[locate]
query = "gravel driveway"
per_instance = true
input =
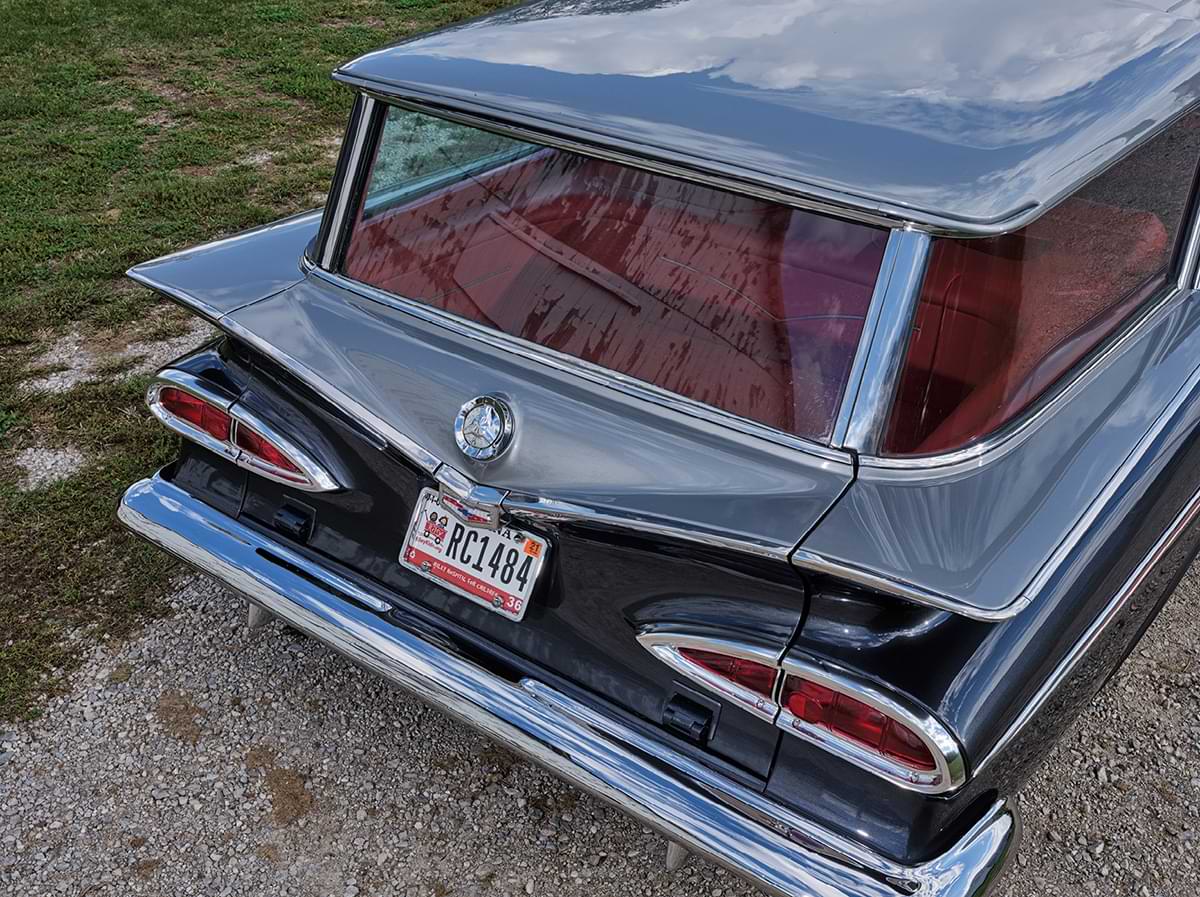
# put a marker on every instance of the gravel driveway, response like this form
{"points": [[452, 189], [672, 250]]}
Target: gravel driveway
{"points": [[203, 759]]}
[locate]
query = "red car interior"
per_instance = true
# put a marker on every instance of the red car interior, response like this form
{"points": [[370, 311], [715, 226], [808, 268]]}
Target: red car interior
{"points": [[1001, 319], [746, 305]]}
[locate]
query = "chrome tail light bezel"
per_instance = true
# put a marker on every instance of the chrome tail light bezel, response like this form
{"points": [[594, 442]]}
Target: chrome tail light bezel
{"points": [[950, 770], [313, 476], [949, 774], [666, 645]]}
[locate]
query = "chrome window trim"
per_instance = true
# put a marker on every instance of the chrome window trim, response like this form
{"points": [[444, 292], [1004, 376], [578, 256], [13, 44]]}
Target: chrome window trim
{"points": [[1009, 436], [1097, 628], [337, 213], [951, 771], [665, 644], [814, 562], [867, 407]]}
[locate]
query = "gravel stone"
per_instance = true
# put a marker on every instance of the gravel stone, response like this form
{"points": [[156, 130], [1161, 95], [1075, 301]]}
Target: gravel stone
{"points": [[204, 759], [45, 466]]}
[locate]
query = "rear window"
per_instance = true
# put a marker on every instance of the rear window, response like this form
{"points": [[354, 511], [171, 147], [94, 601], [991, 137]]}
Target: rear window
{"points": [[999, 320], [743, 304]]}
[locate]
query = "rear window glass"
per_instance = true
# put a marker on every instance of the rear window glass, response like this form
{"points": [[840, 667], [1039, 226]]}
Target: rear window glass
{"points": [[999, 320], [746, 305]]}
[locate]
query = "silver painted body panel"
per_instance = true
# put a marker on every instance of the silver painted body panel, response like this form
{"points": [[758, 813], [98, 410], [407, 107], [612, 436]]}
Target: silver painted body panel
{"points": [[1006, 109], [980, 533], [579, 447]]}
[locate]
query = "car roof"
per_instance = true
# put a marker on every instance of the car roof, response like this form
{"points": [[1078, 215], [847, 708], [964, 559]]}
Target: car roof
{"points": [[968, 116]]}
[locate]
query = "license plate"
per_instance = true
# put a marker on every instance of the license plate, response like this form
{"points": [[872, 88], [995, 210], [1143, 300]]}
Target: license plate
{"points": [[495, 568]]}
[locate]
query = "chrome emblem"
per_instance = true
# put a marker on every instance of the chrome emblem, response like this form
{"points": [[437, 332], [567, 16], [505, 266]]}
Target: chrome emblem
{"points": [[483, 428]]}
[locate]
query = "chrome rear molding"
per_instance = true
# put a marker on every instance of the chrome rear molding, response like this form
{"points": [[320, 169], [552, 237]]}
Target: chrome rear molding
{"points": [[775, 848]]}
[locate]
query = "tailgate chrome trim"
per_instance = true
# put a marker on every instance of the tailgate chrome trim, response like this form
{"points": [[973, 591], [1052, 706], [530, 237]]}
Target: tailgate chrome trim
{"points": [[777, 849]]}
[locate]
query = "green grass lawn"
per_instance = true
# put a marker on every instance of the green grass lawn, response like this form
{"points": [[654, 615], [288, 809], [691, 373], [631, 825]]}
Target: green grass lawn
{"points": [[129, 129]]}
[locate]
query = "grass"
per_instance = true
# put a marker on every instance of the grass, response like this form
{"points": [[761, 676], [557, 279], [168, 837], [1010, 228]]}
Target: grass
{"points": [[129, 129]]}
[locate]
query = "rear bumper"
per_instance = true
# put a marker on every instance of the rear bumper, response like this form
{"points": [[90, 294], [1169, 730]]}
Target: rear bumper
{"points": [[773, 847]]}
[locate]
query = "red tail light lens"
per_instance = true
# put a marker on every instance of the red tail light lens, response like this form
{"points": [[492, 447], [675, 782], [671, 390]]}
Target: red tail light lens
{"points": [[858, 721], [197, 412], [756, 677], [249, 441]]}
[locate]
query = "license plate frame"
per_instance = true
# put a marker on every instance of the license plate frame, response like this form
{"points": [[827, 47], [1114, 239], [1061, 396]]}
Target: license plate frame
{"points": [[430, 549]]}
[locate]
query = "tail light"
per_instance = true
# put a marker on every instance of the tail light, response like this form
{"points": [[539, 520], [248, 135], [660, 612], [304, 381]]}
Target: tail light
{"points": [[738, 672], [860, 722], [876, 729], [210, 417]]}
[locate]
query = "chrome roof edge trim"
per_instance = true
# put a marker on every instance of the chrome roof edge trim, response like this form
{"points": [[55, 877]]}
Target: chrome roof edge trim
{"points": [[826, 202], [886, 345], [559, 361], [1098, 627], [1011, 435], [951, 771], [817, 563], [742, 829], [350, 172], [665, 643]]}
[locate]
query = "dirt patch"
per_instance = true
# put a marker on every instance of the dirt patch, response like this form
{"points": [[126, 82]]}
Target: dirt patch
{"points": [[120, 674], [268, 852], [46, 466], [290, 798], [145, 869], [179, 716]]}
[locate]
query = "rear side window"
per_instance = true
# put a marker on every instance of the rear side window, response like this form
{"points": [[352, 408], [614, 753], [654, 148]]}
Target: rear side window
{"points": [[749, 306], [999, 320]]}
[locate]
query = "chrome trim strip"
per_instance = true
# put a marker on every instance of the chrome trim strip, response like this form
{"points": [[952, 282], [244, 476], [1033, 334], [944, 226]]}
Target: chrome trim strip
{"points": [[790, 856], [319, 480], [951, 769], [817, 563], [1097, 628], [1011, 435], [665, 644], [192, 385], [350, 172], [887, 265], [888, 342], [554, 510], [560, 361]]}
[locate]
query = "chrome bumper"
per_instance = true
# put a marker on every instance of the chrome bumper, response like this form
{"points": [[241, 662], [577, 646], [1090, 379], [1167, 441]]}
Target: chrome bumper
{"points": [[773, 847]]}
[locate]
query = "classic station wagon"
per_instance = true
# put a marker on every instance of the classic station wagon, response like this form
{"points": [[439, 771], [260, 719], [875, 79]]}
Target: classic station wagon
{"points": [[775, 418]]}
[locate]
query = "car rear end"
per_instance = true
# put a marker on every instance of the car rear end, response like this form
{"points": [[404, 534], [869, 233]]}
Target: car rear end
{"points": [[552, 440]]}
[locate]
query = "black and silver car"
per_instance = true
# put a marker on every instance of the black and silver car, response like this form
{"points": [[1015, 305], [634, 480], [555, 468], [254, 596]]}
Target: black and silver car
{"points": [[776, 418]]}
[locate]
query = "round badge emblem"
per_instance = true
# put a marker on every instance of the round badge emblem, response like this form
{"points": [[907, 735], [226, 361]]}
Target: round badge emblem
{"points": [[483, 428]]}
